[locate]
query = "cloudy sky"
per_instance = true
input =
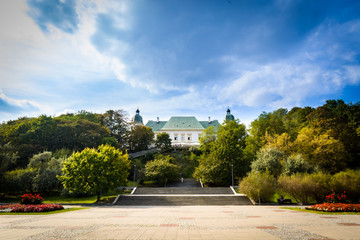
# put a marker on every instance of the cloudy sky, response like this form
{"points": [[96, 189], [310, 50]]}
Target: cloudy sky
{"points": [[176, 57]]}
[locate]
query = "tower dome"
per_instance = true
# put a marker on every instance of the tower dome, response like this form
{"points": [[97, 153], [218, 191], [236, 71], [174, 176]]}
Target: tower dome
{"points": [[137, 118], [229, 116]]}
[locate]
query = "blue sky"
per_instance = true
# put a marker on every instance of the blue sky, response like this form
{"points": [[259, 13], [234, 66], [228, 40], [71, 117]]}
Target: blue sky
{"points": [[176, 58]]}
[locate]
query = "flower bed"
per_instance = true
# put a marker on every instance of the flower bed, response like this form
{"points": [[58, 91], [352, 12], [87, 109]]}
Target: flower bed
{"points": [[31, 199], [31, 208], [335, 207]]}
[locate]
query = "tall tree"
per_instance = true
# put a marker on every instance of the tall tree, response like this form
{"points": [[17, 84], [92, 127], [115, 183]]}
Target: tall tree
{"points": [[163, 141], [140, 138], [225, 157], [116, 121]]}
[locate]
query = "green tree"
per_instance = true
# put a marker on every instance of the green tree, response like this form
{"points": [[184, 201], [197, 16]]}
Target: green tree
{"points": [[268, 159], [162, 170], [95, 171], [140, 138], [46, 168], [163, 141], [116, 122], [322, 150], [7, 158], [225, 156], [207, 139]]}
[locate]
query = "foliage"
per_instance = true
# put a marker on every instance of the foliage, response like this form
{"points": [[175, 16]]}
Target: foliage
{"points": [[320, 149], [207, 139], [335, 207], [225, 155], [162, 170], [268, 159], [299, 186], [163, 141], [259, 185], [32, 208], [116, 121], [296, 164], [140, 138], [7, 158], [46, 169], [95, 170], [29, 136], [31, 199], [348, 181], [19, 180]]}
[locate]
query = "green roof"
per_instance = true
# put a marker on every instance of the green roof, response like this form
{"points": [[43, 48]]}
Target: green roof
{"points": [[178, 123], [156, 125], [214, 123]]}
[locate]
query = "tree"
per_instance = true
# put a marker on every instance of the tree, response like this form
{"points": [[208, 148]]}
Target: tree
{"points": [[140, 138], [46, 168], [116, 122], [225, 156], [207, 139], [7, 158], [163, 141], [322, 150], [95, 171], [162, 170], [268, 159]]}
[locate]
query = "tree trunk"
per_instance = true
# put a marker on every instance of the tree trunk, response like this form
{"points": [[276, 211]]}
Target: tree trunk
{"points": [[98, 196]]}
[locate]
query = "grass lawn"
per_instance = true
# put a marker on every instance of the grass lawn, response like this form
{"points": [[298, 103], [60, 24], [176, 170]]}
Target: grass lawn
{"points": [[320, 212], [42, 213]]}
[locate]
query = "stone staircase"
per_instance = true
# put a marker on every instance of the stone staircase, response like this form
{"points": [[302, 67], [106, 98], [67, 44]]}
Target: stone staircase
{"points": [[182, 196], [183, 190], [181, 200]]}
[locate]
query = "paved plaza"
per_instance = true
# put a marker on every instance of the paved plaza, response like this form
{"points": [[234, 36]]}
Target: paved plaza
{"points": [[181, 222]]}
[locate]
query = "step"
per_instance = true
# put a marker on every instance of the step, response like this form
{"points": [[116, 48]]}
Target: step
{"points": [[185, 190], [181, 200]]}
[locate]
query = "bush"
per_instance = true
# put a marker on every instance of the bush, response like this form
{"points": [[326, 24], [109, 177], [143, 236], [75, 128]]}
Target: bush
{"points": [[299, 186], [256, 185], [20, 180], [162, 170], [348, 181]]}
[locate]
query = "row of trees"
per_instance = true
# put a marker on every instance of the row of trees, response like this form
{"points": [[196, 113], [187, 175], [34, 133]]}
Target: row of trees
{"points": [[21, 139], [302, 140]]}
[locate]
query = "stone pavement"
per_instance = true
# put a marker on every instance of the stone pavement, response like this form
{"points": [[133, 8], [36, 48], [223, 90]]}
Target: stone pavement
{"points": [[181, 222]]}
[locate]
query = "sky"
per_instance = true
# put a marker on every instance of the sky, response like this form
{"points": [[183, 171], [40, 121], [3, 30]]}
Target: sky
{"points": [[176, 57]]}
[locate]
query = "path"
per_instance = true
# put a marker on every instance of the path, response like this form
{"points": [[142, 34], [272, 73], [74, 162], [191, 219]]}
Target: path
{"points": [[200, 222]]}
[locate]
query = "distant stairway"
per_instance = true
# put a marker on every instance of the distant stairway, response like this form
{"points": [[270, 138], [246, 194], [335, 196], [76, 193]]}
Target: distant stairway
{"points": [[178, 196]]}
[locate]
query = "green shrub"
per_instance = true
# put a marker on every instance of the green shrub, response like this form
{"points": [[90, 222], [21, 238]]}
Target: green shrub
{"points": [[299, 186], [322, 186], [162, 170], [268, 159], [348, 181], [296, 164], [256, 185], [20, 180]]}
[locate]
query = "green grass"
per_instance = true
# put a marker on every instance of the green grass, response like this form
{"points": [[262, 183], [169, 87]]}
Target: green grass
{"points": [[42, 213], [320, 212]]}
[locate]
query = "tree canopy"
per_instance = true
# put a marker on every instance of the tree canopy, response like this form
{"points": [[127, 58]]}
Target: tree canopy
{"points": [[95, 170]]}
